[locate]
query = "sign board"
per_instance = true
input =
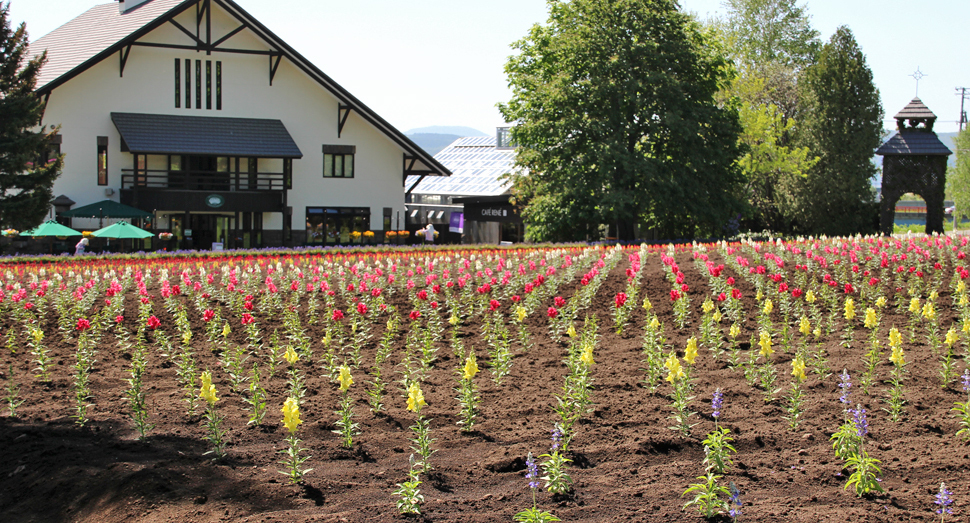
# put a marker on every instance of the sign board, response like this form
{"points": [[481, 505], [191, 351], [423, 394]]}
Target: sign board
{"points": [[456, 222], [217, 246]]}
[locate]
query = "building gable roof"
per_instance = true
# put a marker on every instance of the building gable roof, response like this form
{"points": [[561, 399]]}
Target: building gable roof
{"points": [[104, 30], [915, 109]]}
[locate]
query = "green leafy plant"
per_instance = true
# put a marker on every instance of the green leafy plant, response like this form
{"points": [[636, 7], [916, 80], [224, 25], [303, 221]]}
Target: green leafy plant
{"points": [[707, 496]]}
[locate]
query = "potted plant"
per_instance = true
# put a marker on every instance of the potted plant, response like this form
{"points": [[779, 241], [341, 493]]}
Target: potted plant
{"points": [[390, 237], [368, 237], [10, 233], [355, 236]]}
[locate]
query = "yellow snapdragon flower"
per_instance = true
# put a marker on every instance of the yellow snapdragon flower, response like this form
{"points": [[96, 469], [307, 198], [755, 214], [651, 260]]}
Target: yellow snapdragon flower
{"points": [[691, 353], [708, 306], [291, 414], [768, 307], [849, 309], [290, 355], [810, 297], [759, 296], [871, 320], [914, 305], [471, 367], [735, 330], [521, 313], [952, 337], [929, 312], [38, 335], [765, 344], [587, 356], [676, 372], [346, 380], [961, 286], [571, 331], [654, 324], [453, 320], [415, 398], [717, 316], [897, 357], [208, 390], [798, 369], [895, 338], [646, 304], [881, 302], [804, 326], [226, 330]]}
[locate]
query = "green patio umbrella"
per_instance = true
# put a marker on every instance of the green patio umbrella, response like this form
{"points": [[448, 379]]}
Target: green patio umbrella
{"points": [[51, 228], [122, 230]]}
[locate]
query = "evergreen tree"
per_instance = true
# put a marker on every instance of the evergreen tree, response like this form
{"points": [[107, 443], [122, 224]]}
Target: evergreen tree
{"points": [[842, 125], [27, 173], [616, 123]]}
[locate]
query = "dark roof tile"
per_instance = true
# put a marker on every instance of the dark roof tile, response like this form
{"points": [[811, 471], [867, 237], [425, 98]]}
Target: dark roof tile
{"points": [[914, 143], [170, 134]]}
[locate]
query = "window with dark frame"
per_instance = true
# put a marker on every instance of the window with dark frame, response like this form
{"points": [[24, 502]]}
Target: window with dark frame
{"points": [[198, 84], [218, 86], [208, 84], [178, 83], [54, 147], [188, 83], [338, 161], [102, 160], [334, 225]]}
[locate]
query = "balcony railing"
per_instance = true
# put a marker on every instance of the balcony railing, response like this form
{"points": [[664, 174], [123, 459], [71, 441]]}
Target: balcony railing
{"points": [[201, 180]]}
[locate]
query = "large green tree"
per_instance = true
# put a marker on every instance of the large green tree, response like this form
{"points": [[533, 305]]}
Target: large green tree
{"points": [[958, 178], [616, 122], [27, 172], [842, 125], [771, 42]]}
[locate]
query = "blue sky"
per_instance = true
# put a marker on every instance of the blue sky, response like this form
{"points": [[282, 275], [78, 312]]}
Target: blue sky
{"points": [[440, 62]]}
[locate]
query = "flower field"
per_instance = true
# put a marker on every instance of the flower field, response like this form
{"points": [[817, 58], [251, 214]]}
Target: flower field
{"points": [[818, 380]]}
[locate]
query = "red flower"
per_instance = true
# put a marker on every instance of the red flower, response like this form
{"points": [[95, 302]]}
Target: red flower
{"points": [[153, 322], [721, 297], [620, 299], [736, 294], [414, 315], [208, 315], [493, 304], [83, 325], [119, 318], [28, 306], [684, 288], [361, 308], [248, 305], [559, 302], [730, 280], [247, 318], [782, 287], [848, 288], [552, 312], [674, 295], [434, 305], [516, 298], [797, 293], [337, 315]]}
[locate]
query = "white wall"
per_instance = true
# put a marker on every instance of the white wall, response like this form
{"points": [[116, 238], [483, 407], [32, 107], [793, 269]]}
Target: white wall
{"points": [[82, 108]]}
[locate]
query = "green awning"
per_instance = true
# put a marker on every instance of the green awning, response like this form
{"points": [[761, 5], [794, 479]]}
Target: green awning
{"points": [[50, 228], [106, 209], [122, 230]]}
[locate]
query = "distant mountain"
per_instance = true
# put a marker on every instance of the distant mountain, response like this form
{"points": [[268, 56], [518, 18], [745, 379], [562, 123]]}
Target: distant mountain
{"points": [[446, 129], [433, 143]]}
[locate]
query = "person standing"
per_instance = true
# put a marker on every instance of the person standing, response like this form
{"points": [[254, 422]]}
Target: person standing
{"points": [[79, 248], [428, 233]]}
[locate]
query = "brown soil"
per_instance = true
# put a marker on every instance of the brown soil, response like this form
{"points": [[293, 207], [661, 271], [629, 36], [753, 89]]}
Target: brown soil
{"points": [[627, 465]]}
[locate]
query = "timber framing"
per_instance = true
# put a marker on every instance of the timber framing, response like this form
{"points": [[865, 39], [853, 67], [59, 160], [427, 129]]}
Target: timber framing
{"points": [[277, 50]]}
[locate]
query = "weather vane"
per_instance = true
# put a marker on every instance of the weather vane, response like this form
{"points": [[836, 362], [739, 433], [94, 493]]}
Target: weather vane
{"points": [[918, 75]]}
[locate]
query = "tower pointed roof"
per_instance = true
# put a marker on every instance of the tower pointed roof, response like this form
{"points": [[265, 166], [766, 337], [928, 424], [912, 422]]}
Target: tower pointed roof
{"points": [[915, 109]]}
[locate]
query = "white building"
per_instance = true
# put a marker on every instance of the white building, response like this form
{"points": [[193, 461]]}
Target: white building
{"points": [[194, 111]]}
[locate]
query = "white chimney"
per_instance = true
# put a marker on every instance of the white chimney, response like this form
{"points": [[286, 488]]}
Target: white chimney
{"points": [[128, 5]]}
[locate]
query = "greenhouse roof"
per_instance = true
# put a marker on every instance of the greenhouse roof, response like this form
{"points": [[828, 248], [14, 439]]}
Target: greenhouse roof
{"points": [[476, 165]]}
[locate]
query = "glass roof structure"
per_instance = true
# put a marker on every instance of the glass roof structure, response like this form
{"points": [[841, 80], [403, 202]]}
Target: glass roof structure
{"points": [[476, 165]]}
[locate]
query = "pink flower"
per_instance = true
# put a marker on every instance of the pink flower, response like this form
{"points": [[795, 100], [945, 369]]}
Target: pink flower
{"points": [[208, 315], [248, 305], [797, 293], [414, 315], [493, 305], [730, 280], [552, 312], [83, 325], [247, 318], [153, 322], [119, 318], [620, 299], [434, 305], [337, 315], [721, 297], [558, 301], [422, 295], [361, 308], [516, 298], [674, 295]]}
